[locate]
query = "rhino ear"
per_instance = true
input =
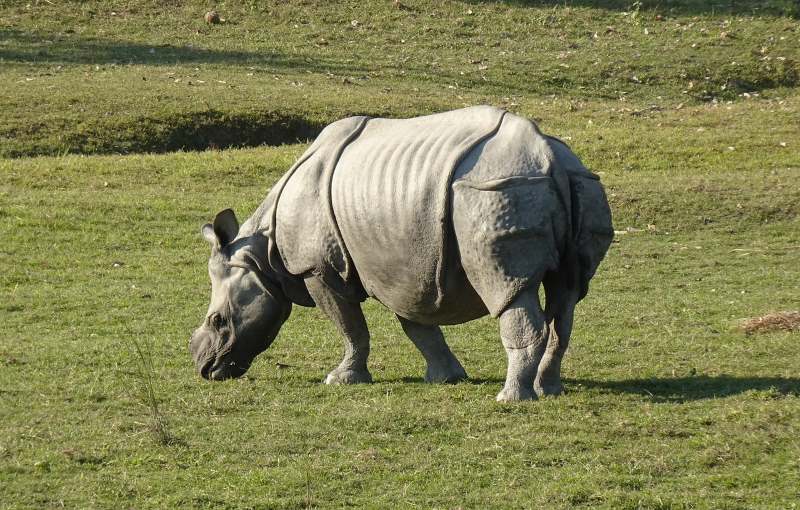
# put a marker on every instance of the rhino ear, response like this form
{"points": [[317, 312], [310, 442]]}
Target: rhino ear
{"points": [[224, 229], [207, 231]]}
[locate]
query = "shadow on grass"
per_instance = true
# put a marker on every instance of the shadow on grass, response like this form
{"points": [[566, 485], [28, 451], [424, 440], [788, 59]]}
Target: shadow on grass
{"points": [[31, 47], [674, 7], [679, 389], [199, 130], [68, 48], [184, 131], [685, 389]]}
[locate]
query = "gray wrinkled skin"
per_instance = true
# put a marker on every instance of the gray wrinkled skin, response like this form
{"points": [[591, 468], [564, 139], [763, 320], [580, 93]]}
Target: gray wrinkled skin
{"points": [[443, 219]]}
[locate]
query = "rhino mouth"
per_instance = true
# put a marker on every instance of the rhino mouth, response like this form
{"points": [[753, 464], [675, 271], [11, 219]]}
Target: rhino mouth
{"points": [[205, 370], [221, 368]]}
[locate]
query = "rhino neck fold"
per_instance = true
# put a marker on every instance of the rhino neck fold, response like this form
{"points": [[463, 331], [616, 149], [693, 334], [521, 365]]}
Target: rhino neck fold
{"points": [[263, 248]]}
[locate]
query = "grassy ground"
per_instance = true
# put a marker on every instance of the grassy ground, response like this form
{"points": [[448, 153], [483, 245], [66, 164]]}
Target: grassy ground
{"points": [[138, 76], [669, 404]]}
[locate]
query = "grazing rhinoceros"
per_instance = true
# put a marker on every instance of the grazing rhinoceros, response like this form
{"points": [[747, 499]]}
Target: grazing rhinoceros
{"points": [[442, 218]]}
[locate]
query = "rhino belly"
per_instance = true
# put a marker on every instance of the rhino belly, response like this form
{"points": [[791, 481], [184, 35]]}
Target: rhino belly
{"points": [[390, 194]]}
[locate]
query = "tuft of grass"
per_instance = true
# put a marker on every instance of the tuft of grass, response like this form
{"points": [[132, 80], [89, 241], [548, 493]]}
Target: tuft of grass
{"points": [[146, 394], [308, 500]]}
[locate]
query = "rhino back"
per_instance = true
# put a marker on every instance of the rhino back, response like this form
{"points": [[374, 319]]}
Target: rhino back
{"points": [[390, 194]]}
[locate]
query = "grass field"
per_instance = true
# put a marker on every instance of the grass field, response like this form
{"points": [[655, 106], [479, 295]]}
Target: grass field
{"points": [[669, 403], [91, 77]]}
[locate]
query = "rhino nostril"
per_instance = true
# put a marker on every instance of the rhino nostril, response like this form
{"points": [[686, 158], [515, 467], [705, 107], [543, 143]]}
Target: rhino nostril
{"points": [[205, 370]]}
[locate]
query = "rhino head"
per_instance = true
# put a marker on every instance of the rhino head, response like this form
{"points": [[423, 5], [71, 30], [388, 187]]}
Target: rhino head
{"points": [[247, 306]]}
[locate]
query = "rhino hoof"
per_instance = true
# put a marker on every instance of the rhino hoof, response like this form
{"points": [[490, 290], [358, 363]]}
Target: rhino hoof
{"points": [[552, 389], [348, 377], [515, 394], [446, 376]]}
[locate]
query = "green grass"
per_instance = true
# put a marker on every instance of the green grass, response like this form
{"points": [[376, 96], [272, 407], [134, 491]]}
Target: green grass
{"points": [[92, 77], [669, 404]]}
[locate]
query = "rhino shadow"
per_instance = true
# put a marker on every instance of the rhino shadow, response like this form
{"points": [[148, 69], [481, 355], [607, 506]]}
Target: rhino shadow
{"points": [[658, 389], [687, 389]]}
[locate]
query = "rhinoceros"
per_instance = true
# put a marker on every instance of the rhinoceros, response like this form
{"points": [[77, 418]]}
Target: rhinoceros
{"points": [[442, 218]]}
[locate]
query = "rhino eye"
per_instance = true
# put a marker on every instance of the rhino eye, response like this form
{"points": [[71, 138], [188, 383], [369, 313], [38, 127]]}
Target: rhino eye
{"points": [[216, 320]]}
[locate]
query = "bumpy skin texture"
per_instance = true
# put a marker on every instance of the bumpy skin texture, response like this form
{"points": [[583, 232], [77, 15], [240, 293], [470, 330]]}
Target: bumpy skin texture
{"points": [[443, 219]]}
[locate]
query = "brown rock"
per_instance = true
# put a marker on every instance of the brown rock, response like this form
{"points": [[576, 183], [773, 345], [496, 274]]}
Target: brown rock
{"points": [[212, 17]]}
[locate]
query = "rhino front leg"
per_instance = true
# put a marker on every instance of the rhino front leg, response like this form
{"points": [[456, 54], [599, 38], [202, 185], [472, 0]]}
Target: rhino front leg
{"points": [[524, 333], [443, 366], [349, 319]]}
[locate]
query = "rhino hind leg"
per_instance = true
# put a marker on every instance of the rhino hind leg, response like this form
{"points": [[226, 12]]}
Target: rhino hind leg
{"points": [[349, 320], [443, 366], [559, 311], [524, 333]]}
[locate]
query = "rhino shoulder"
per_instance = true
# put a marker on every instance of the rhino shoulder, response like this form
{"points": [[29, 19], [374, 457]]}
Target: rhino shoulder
{"points": [[305, 228], [337, 131]]}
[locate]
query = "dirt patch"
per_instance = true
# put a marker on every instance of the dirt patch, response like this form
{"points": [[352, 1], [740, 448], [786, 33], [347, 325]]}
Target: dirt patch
{"points": [[780, 321]]}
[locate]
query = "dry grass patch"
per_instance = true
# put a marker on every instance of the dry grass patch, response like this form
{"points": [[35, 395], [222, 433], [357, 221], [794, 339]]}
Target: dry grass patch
{"points": [[780, 321]]}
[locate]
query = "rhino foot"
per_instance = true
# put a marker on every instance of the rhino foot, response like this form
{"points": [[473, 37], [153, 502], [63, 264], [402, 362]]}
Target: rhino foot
{"points": [[348, 377], [548, 388], [450, 374], [515, 394]]}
